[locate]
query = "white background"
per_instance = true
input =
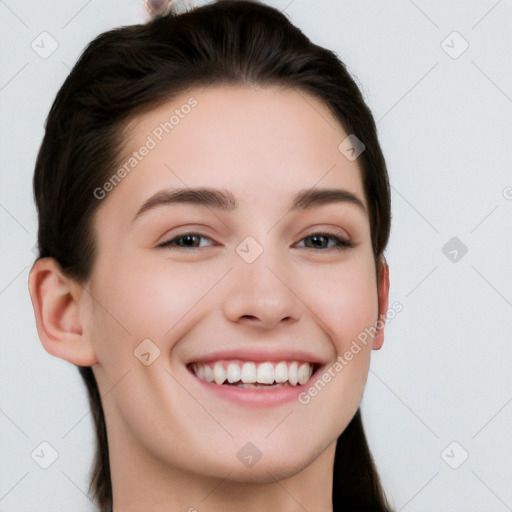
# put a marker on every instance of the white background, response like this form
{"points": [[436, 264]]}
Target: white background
{"points": [[445, 372]]}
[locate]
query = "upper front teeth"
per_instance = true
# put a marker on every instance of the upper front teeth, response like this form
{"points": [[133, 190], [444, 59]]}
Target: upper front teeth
{"points": [[233, 373], [247, 375], [250, 373], [265, 374]]}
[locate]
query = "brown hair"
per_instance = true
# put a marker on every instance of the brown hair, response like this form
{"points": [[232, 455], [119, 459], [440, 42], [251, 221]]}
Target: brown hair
{"points": [[130, 70]]}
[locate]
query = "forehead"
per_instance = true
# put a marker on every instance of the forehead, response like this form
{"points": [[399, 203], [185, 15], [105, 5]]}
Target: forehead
{"points": [[262, 144]]}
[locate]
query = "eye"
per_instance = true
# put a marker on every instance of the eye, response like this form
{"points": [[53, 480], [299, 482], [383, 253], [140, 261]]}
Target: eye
{"points": [[320, 239], [185, 241]]}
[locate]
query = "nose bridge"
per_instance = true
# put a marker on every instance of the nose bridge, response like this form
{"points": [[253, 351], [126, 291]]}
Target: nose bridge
{"points": [[261, 285], [259, 264]]}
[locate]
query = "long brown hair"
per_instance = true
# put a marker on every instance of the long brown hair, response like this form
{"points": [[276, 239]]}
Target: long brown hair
{"points": [[130, 70]]}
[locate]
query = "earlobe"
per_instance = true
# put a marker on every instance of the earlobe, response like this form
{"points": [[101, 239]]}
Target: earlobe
{"points": [[383, 299], [56, 302]]}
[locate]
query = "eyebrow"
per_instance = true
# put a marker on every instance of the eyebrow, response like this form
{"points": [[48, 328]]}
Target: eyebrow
{"points": [[224, 200]]}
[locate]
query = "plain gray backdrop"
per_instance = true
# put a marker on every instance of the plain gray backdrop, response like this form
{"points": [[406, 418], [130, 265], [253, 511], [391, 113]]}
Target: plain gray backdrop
{"points": [[437, 407]]}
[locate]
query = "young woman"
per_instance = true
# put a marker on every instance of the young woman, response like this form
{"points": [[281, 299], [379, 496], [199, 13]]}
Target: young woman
{"points": [[213, 209]]}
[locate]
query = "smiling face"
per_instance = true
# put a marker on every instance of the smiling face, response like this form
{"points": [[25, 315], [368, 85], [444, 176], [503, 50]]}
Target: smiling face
{"points": [[266, 273]]}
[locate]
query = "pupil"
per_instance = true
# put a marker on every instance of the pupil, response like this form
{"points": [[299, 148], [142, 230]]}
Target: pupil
{"points": [[317, 238], [189, 238]]}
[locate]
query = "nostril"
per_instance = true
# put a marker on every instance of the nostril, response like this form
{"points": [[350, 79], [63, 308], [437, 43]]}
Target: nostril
{"points": [[253, 318]]}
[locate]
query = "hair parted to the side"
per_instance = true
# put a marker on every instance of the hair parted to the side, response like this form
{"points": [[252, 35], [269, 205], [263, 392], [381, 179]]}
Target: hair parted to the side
{"points": [[128, 71]]}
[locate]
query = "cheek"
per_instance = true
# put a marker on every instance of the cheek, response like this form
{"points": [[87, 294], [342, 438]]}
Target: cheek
{"points": [[344, 300], [347, 305], [150, 298], [140, 299]]}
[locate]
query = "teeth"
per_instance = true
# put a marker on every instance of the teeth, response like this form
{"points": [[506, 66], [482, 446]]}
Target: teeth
{"points": [[219, 374], [234, 373], [248, 375], [293, 378], [281, 373], [251, 375], [265, 374], [199, 370], [303, 373], [208, 373]]}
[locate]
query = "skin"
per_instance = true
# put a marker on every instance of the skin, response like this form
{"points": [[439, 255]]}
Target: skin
{"points": [[171, 443]]}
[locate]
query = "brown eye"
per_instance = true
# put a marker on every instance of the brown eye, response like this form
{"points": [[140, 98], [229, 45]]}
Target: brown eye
{"points": [[185, 241], [321, 241]]}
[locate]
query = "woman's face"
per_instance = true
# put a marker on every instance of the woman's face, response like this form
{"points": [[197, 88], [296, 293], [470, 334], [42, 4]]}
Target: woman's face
{"points": [[236, 281]]}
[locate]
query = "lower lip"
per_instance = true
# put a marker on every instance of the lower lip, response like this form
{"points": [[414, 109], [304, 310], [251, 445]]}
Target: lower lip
{"points": [[264, 397]]}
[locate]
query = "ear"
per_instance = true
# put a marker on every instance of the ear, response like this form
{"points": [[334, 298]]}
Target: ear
{"points": [[383, 299], [56, 302]]}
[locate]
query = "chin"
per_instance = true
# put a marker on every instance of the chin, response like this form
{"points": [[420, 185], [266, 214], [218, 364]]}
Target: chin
{"points": [[271, 470], [270, 462]]}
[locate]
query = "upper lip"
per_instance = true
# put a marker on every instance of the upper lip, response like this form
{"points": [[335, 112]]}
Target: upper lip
{"points": [[259, 355]]}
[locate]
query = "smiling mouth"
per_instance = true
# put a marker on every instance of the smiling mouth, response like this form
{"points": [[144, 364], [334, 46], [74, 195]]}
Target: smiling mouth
{"points": [[254, 375]]}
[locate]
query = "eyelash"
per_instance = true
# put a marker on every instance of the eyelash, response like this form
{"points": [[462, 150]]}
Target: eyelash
{"points": [[340, 243]]}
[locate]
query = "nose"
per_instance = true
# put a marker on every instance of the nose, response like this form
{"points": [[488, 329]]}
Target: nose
{"points": [[261, 294]]}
